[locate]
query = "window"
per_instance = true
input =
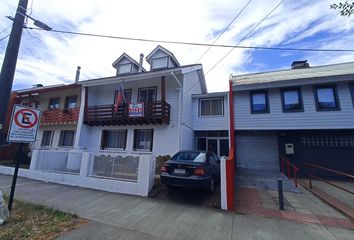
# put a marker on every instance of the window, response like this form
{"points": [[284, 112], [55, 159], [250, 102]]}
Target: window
{"points": [[326, 98], [161, 62], [344, 141], [143, 140], [47, 138], [259, 102], [54, 103], [147, 94], [114, 139], [124, 68], [211, 107], [292, 101], [70, 102], [185, 156], [127, 95], [66, 138]]}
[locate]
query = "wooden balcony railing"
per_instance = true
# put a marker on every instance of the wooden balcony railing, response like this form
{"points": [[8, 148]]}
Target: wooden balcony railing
{"points": [[60, 116], [105, 115]]}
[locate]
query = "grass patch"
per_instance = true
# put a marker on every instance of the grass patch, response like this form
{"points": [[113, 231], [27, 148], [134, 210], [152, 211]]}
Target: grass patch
{"points": [[33, 221]]}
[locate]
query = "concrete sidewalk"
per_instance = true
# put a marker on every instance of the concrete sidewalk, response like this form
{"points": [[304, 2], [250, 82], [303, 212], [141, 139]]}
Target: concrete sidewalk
{"points": [[117, 216]]}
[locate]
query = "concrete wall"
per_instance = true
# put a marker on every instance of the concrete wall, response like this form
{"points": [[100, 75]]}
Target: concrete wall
{"points": [[309, 119], [146, 173]]}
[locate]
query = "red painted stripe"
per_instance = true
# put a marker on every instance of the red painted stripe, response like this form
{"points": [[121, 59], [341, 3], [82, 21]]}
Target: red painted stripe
{"points": [[230, 163]]}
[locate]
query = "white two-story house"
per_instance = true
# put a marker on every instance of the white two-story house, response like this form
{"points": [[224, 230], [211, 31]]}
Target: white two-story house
{"points": [[156, 116]]}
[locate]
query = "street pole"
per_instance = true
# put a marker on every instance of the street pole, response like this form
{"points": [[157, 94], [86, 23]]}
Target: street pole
{"points": [[9, 65], [14, 179]]}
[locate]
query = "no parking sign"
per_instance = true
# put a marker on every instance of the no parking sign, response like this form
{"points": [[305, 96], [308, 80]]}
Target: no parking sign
{"points": [[24, 124]]}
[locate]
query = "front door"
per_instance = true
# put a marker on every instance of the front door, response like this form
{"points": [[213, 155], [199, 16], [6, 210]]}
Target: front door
{"points": [[212, 145]]}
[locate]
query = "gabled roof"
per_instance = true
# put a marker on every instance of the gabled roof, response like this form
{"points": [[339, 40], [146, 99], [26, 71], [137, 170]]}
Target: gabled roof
{"points": [[130, 59], [159, 47], [50, 88], [291, 75], [146, 75]]}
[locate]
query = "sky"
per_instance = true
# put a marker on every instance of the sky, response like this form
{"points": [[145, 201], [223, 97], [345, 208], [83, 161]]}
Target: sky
{"points": [[52, 58]]}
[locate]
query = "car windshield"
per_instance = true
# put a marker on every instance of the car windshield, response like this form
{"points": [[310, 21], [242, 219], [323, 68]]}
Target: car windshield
{"points": [[189, 156]]}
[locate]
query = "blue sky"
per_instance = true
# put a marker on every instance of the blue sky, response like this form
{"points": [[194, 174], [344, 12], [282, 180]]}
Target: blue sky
{"points": [[52, 58]]}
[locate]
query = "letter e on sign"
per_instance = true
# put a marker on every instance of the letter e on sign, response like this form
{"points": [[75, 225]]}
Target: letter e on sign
{"points": [[24, 124]]}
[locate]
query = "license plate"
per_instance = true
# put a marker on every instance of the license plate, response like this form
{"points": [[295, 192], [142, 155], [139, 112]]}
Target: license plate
{"points": [[180, 171]]}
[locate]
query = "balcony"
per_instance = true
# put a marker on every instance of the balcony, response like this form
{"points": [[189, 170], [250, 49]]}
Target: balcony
{"points": [[106, 115], [60, 116]]}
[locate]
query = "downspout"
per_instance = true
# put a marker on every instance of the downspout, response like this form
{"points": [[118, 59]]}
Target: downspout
{"points": [[231, 113], [179, 119], [80, 120]]}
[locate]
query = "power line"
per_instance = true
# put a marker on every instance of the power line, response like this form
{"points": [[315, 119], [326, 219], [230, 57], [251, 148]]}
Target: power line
{"points": [[194, 43], [4, 37], [5, 29], [247, 35], [233, 20]]}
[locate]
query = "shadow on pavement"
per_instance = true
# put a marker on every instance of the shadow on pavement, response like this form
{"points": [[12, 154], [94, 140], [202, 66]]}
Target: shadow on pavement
{"points": [[192, 197]]}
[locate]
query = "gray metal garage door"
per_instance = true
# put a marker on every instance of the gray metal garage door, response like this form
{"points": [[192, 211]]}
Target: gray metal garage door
{"points": [[257, 150]]}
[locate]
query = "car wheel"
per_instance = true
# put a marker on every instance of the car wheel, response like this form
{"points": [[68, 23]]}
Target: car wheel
{"points": [[211, 186]]}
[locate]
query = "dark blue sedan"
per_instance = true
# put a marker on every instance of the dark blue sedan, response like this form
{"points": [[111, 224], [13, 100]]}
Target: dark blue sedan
{"points": [[191, 169]]}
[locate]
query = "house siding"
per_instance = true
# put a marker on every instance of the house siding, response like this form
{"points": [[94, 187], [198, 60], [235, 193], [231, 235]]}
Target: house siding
{"points": [[191, 86], [164, 140], [308, 119], [207, 123]]}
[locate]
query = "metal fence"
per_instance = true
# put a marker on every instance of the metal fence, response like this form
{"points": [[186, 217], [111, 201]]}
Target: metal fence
{"points": [[116, 167], [58, 161]]}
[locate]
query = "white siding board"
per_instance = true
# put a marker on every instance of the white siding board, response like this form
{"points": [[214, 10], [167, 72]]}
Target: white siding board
{"points": [[309, 119]]}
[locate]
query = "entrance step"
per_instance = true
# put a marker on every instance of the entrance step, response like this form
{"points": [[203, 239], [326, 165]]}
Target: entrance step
{"points": [[263, 179]]}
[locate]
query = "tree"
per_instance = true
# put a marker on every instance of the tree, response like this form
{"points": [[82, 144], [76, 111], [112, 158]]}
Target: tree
{"points": [[346, 9]]}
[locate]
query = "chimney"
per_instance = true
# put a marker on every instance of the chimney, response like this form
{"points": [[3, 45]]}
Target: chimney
{"points": [[141, 62], [300, 64], [77, 74], [37, 85]]}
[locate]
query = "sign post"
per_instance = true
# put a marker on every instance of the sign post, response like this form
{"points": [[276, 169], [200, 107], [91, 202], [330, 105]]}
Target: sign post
{"points": [[23, 129]]}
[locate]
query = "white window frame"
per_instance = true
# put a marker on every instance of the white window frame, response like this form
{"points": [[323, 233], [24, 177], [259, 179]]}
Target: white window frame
{"points": [[50, 140], [124, 64], [135, 147], [147, 88], [122, 131], [62, 140], [211, 99], [159, 58]]}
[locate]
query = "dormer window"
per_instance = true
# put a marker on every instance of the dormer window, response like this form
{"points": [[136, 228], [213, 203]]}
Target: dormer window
{"points": [[161, 58], [157, 63], [124, 68], [127, 65]]}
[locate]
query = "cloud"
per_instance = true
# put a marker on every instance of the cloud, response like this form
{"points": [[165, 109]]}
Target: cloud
{"points": [[51, 58]]}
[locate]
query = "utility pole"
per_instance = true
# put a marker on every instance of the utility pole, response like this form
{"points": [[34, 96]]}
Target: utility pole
{"points": [[9, 64]]}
